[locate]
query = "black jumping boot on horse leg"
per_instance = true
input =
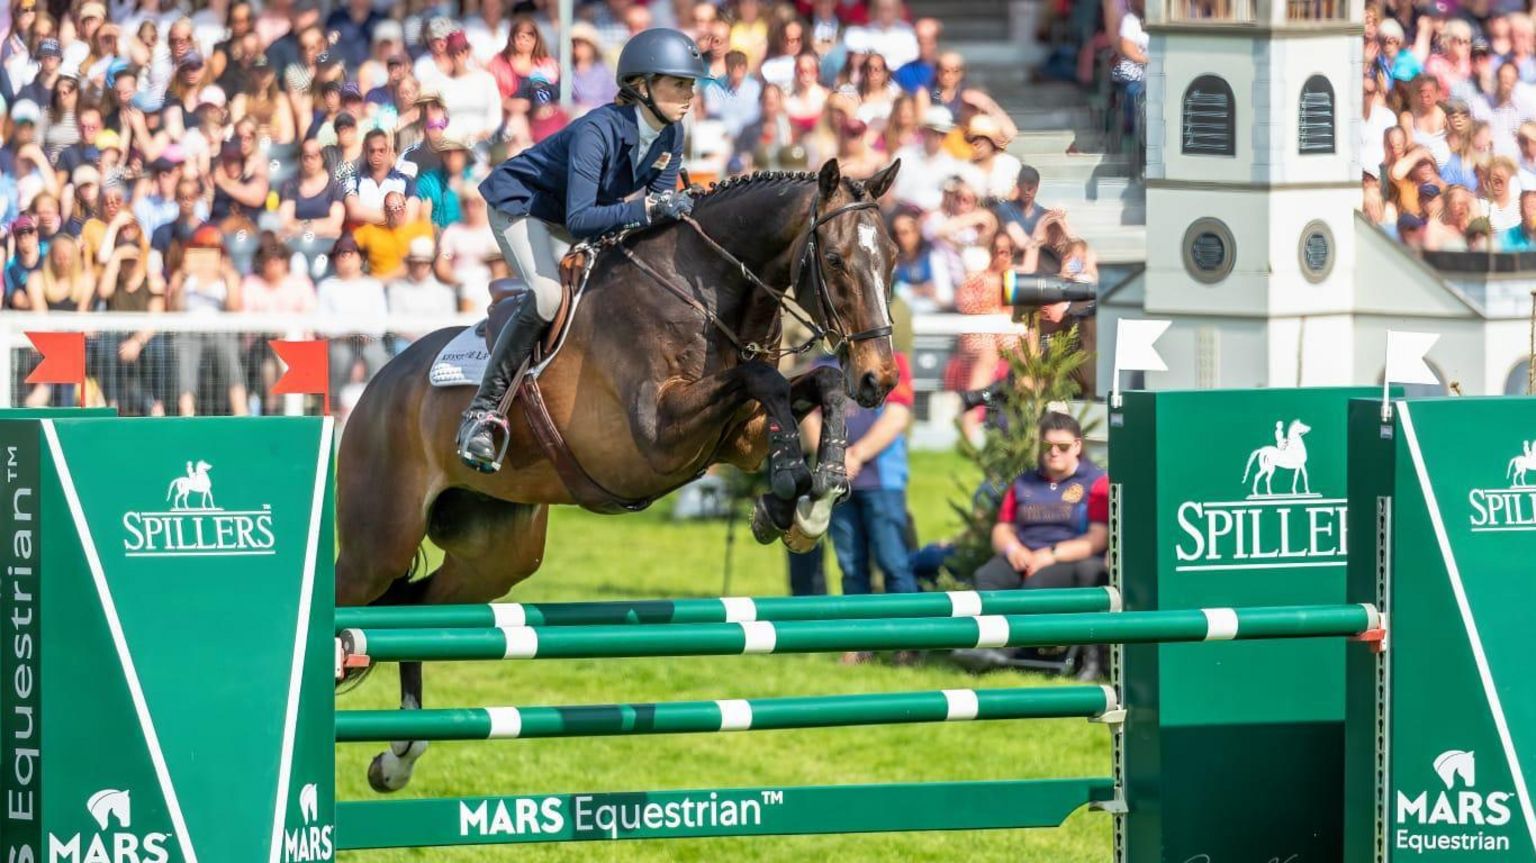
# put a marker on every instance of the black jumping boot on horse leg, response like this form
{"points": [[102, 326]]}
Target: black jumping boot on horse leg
{"points": [[484, 419]]}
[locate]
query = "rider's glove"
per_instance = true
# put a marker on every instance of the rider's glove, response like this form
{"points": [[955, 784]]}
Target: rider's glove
{"points": [[670, 204]]}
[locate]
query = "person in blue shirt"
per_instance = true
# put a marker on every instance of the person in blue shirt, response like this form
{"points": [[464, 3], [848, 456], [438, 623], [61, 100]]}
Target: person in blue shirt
{"points": [[580, 183]]}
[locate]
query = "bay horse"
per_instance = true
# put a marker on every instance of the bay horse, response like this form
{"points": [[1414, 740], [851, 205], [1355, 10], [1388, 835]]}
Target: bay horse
{"points": [[667, 368]]}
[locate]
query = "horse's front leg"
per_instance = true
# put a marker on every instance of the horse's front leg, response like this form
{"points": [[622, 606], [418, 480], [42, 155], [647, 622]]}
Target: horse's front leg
{"points": [[821, 388], [702, 408]]}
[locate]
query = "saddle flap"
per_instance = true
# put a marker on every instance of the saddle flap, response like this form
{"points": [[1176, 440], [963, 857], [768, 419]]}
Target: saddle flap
{"points": [[505, 302]]}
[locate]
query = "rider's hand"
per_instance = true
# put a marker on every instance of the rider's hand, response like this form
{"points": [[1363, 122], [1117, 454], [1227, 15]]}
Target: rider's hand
{"points": [[670, 204]]}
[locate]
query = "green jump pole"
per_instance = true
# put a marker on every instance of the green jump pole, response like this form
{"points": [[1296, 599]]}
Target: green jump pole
{"points": [[815, 636], [958, 603], [678, 717]]}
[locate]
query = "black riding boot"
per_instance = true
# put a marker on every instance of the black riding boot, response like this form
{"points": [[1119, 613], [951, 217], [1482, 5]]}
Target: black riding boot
{"points": [[478, 446]]}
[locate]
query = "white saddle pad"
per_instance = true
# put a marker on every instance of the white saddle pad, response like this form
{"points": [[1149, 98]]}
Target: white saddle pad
{"points": [[462, 361]]}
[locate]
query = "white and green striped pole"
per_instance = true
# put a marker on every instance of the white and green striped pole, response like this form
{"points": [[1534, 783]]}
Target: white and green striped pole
{"points": [[732, 609], [825, 636], [751, 714]]}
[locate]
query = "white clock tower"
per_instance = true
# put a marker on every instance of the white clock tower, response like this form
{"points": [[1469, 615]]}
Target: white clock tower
{"points": [[1253, 180]]}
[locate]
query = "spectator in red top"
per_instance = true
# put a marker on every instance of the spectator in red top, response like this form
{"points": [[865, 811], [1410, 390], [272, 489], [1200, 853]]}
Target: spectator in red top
{"points": [[1052, 527]]}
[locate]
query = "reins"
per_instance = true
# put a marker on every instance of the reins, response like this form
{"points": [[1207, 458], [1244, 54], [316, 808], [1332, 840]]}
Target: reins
{"points": [[752, 350]]}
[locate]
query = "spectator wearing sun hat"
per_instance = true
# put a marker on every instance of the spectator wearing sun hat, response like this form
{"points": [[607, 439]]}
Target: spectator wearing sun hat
{"points": [[386, 45], [926, 164], [438, 187], [88, 22], [997, 169], [434, 63]]}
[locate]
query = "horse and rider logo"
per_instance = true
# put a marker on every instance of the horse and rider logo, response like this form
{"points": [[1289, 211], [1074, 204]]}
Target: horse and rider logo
{"points": [[196, 482], [1289, 451], [1521, 464]]}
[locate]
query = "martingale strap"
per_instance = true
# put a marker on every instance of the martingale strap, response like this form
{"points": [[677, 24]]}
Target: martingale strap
{"points": [[588, 492]]}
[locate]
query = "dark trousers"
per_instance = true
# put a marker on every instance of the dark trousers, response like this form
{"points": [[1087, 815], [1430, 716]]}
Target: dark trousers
{"points": [[999, 574], [808, 573]]}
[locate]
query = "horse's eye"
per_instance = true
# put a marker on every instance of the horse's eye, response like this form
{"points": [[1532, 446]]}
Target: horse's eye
{"points": [[834, 260]]}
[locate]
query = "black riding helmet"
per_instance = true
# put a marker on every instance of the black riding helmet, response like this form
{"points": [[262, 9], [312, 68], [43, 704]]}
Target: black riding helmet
{"points": [[658, 52]]}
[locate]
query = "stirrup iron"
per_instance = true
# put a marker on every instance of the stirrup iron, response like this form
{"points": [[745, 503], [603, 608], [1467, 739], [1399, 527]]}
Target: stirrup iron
{"points": [[481, 419]]}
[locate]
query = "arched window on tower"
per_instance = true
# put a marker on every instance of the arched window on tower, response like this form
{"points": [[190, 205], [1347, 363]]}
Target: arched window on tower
{"points": [[1316, 112], [1210, 122]]}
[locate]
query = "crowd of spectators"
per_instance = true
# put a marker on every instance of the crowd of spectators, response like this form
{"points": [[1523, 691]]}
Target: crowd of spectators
{"points": [[286, 156], [1448, 131]]}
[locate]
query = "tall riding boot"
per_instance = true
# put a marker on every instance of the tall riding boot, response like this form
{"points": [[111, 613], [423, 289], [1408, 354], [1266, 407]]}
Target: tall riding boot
{"points": [[478, 446]]}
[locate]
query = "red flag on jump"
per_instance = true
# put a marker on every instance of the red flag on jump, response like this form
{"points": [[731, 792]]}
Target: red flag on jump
{"points": [[309, 368], [63, 360]]}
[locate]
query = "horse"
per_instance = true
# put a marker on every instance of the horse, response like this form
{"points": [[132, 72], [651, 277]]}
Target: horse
{"points": [[1293, 457], [1518, 466], [666, 369], [195, 482]]}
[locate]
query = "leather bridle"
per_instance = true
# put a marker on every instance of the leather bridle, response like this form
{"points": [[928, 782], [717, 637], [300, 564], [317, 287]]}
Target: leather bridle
{"points": [[837, 327], [835, 332]]}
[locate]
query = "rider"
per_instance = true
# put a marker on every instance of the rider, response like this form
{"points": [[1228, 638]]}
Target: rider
{"points": [[579, 183]]}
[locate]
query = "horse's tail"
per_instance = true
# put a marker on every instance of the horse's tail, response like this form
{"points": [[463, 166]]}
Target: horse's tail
{"points": [[171, 490], [1251, 456], [1510, 473]]}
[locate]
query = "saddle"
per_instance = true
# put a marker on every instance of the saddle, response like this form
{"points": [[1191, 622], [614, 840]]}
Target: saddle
{"points": [[586, 491], [505, 301]]}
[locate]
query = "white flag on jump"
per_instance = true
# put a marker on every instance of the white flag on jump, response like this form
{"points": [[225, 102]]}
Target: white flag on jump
{"points": [[1136, 350], [1136, 345], [1405, 358]]}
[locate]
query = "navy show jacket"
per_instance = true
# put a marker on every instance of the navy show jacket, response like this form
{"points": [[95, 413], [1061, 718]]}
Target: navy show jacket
{"points": [[581, 176]]}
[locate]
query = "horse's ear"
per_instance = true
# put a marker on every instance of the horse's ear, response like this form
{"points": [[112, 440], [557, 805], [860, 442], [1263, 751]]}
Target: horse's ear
{"points": [[828, 179], [880, 183]]}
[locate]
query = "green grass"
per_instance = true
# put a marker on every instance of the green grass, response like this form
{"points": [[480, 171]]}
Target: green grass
{"points": [[648, 555]]}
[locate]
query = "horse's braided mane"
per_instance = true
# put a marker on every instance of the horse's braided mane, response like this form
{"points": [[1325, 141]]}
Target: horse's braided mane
{"points": [[759, 179], [719, 191]]}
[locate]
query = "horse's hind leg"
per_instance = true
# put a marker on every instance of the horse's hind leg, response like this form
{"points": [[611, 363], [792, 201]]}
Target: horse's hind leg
{"points": [[391, 769], [489, 546]]}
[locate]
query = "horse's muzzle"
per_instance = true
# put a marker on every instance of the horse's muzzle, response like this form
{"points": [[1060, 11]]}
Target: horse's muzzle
{"points": [[871, 390]]}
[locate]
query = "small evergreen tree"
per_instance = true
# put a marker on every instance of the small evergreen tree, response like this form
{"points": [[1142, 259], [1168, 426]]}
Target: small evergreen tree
{"points": [[1010, 443]]}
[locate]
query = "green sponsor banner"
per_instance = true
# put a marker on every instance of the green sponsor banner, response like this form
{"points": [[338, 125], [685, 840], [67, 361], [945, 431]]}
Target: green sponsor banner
{"points": [[1232, 499], [1454, 538], [182, 639], [607, 816]]}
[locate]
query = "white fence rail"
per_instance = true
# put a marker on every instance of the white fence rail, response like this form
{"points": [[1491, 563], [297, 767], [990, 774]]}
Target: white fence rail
{"points": [[201, 363]]}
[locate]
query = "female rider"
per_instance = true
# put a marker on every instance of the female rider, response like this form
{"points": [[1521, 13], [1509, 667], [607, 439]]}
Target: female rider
{"points": [[577, 184]]}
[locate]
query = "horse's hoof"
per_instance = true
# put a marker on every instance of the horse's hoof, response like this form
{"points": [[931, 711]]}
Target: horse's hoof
{"points": [[391, 771], [798, 542], [379, 777], [763, 528], [813, 515]]}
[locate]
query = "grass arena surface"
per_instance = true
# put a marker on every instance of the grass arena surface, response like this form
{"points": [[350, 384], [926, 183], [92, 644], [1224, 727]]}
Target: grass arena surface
{"points": [[592, 557]]}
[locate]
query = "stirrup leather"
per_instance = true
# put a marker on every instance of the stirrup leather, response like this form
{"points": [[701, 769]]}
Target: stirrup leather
{"points": [[476, 421]]}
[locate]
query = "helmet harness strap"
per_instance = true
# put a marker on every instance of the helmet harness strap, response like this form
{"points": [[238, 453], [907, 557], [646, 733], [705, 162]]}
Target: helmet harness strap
{"points": [[645, 98]]}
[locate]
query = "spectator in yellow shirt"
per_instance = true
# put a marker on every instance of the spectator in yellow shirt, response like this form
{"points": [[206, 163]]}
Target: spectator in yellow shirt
{"points": [[385, 245]]}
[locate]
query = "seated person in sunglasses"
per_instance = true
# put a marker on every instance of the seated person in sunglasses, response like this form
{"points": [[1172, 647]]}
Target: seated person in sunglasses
{"points": [[1053, 524]]}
